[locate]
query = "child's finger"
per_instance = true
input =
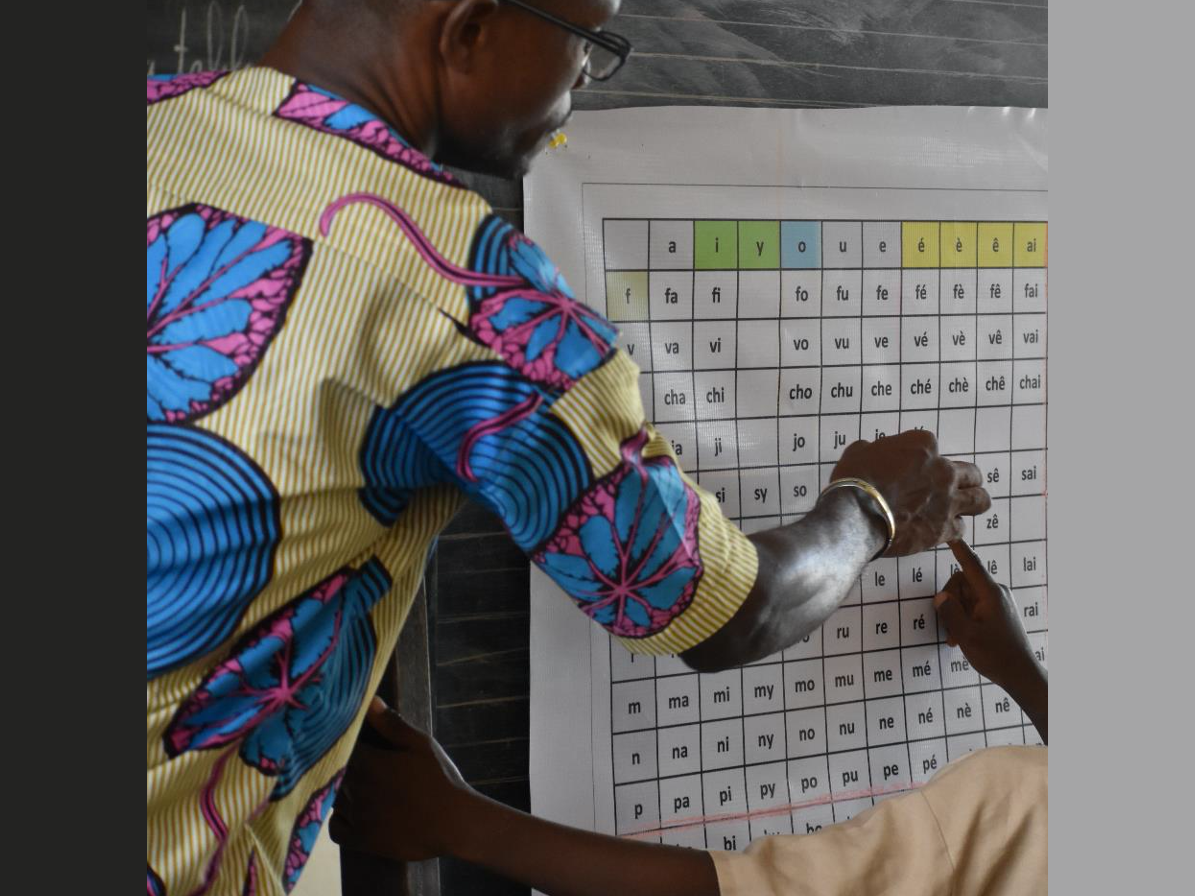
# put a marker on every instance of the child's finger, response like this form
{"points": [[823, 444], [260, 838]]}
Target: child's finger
{"points": [[952, 614]]}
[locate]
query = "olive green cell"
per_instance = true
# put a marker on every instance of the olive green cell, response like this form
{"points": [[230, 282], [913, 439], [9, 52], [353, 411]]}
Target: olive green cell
{"points": [[759, 244], [715, 245], [626, 295]]}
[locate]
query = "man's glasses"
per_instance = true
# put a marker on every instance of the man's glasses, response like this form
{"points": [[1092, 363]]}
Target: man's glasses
{"points": [[605, 51]]}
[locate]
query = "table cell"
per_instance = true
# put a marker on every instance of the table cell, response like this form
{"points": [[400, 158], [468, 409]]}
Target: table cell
{"points": [[962, 744], [679, 750], [1029, 335], [881, 244], [926, 759], [841, 631], [677, 699], [1033, 606], [1028, 563], [923, 715], [797, 437], [919, 244], [632, 705], [1000, 710], [626, 295], [843, 678], [759, 294], [757, 392], [846, 729], [889, 768], [963, 710], [1028, 518], [1029, 381], [671, 245], [841, 341], [918, 621], [838, 431], [850, 774], [805, 732], [919, 341], [991, 527], [672, 345], [627, 666], [993, 291], [798, 489], [842, 244], [918, 292], [1028, 472], [624, 244], [681, 800], [758, 343], [760, 491], [800, 343], [919, 665], [728, 836], [958, 338], [721, 694], [636, 807], [758, 442], [841, 387], [800, 244], [881, 392], [881, 673], [759, 244], [994, 467], [634, 756], [958, 290], [715, 394], [994, 382], [919, 386], [958, 244], [1028, 427], [885, 721], [721, 744], [956, 426], [717, 445], [809, 646], [881, 626], [880, 580], [955, 667], [842, 293], [635, 340], [767, 787], [714, 345], [670, 295], [994, 336], [1028, 291], [715, 245], [1030, 244], [673, 397], [881, 292], [881, 340], [715, 295], [801, 293], [763, 737]]}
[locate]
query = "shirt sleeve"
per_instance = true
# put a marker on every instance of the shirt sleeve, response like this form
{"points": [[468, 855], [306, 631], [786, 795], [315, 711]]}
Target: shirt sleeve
{"points": [[540, 419], [979, 826]]}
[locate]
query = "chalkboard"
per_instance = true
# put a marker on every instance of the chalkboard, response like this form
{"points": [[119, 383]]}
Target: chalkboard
{"points": [[792, 53]]}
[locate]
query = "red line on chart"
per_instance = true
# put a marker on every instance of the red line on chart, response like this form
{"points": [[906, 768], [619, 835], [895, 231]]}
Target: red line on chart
{"points": [[697, 821]]}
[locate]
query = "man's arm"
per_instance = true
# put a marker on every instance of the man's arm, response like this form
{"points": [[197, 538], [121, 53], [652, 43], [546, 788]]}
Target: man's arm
{"points": [[981, 617], [404, 799], [806, 569]]}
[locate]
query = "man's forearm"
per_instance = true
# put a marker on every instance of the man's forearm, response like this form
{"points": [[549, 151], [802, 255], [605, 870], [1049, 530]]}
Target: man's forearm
{"points": [[805, 571], [563, 861]]}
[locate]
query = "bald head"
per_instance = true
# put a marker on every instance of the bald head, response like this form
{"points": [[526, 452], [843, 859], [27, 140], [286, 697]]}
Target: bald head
{"points": [[478, 84]]}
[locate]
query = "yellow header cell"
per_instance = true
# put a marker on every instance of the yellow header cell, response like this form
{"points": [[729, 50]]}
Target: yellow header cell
{"points": [[958, 244], [919, 244], [995, 245], [1029, 250]]}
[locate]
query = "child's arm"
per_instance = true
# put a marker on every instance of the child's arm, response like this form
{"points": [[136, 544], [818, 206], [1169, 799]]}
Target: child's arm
{"points": [[981, 617], [408, 802]]}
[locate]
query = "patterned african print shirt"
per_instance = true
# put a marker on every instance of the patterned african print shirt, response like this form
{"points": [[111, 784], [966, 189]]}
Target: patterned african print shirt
{"points": [[343, 344]]}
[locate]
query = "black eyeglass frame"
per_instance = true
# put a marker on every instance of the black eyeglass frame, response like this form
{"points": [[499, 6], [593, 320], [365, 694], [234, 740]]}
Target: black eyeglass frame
{"points": [[607, 40]]}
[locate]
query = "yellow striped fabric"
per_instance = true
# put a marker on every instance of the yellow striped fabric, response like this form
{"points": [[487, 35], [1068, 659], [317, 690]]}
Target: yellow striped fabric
{"points": [[370, 320]]}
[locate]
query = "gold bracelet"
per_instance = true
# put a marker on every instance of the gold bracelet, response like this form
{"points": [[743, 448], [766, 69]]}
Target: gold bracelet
{"points": [[864, 485]]}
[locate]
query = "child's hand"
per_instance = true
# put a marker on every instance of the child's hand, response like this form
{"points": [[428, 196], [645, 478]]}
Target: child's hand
{"points": [[981, 617], [402, 801]]}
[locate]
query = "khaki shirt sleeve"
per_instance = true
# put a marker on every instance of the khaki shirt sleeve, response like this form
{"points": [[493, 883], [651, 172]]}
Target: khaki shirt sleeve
{"points": [[979, 826]]}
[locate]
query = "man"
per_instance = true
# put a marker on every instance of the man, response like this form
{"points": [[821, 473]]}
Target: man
{"points": [[343, 343]]}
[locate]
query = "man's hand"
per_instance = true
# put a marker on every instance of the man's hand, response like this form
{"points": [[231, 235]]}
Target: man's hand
{"points": [[926, 492], [981, 617], [402, 801]]}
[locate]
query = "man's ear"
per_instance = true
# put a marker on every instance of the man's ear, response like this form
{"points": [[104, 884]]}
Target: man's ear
{"points": [[466, 29]]}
